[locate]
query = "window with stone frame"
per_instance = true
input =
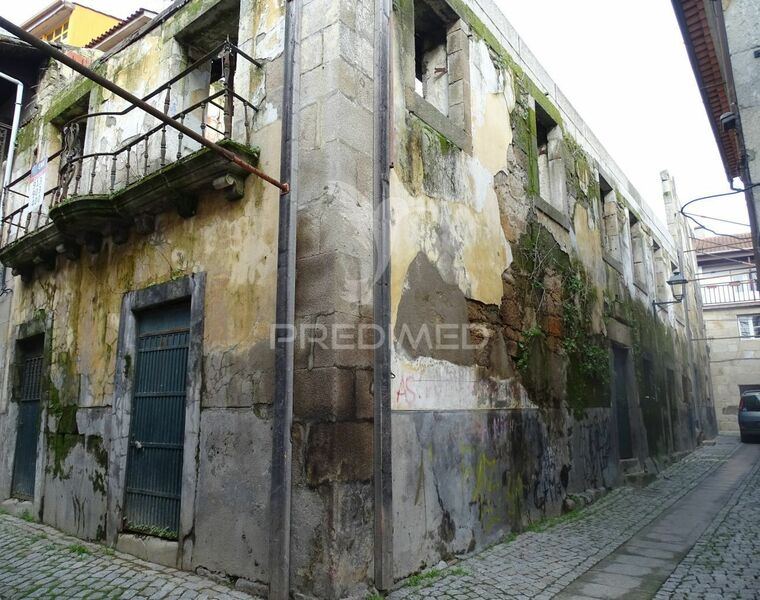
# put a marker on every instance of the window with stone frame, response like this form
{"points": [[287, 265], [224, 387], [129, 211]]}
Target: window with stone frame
{"points": [[552, 186], [605, 190], [660, 281], [638, 250], [440, 82], [614, 221]]}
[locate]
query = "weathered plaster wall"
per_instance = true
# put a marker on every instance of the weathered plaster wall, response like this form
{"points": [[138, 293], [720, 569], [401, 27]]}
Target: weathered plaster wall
{"points": [[489, 439], [234, 243]]}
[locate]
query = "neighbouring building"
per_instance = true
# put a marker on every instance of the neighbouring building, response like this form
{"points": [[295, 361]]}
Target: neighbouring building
{"points": [[69, 23], [731, 298], [724, 48], [535, 348]]}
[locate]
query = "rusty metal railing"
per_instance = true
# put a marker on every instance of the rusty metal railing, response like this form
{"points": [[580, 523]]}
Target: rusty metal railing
{"points": [[220, 114]]}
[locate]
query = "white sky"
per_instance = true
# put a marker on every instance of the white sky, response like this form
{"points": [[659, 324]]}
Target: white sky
{"points": [[624, 67]]}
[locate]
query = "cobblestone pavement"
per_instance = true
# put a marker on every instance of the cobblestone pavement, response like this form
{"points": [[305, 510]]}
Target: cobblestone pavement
{"points": [[725, 562], [37, 561], [541, 564]]}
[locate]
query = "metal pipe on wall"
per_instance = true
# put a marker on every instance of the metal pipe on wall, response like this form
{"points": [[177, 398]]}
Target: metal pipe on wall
{"points": [[383, 494], [281, 490], [10, 158], [14, 132], [62, 58]]}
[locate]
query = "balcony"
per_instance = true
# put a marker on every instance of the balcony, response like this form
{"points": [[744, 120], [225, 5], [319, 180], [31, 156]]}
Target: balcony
{"points": [[731, 292], [96, 194]]}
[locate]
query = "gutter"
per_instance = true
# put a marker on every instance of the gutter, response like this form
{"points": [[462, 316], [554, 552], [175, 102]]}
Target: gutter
{"points": [[14, 133], [10, 158], [382, 454], [282, 463]]}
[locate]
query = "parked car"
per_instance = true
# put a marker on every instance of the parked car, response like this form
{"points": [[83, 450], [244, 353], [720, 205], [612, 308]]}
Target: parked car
{"points": [[749, 415]]}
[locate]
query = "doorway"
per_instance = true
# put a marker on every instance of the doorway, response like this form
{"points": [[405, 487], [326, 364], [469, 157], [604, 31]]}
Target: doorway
{"points": [[621, 400], [29, 397], [157, 427]]}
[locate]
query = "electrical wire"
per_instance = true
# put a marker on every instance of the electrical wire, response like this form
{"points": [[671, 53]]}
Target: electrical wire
{"points": [[702, 225], [718, 195], [721, 220]]}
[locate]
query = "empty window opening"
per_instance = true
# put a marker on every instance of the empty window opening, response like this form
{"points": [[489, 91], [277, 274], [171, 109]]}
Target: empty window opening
{"points": [[72, 127], [73, 132], [551, 167], [213, 76], [432, 21], [637, 249], [605, 189]]}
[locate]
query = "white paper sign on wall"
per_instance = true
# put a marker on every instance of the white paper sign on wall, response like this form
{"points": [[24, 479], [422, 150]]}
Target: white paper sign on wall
{"points": [[37, 184]]}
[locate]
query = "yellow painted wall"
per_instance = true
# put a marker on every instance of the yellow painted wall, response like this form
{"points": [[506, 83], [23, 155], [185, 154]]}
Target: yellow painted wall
{"points": [[84, 26]]}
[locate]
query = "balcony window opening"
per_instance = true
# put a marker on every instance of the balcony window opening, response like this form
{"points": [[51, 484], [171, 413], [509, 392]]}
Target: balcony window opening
{"points": [[551, 166], [749, 326], [209, 87], [73, 137]]}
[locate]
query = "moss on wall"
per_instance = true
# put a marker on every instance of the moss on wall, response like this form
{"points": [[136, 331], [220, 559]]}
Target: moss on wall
{"points": [[558, 327]]}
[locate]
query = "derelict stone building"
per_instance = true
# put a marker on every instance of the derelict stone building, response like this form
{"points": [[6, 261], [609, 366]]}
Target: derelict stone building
{"points": [[473, 334]]}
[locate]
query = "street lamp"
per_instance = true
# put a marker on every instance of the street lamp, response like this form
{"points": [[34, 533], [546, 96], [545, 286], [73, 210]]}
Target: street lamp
{"points": [[677, 283]]}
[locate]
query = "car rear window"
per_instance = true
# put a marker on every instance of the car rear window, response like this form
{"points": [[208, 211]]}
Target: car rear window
{"points": [[752, 403]]}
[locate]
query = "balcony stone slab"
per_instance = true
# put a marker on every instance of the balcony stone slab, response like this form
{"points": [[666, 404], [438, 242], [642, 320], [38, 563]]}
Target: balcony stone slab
{"points": [[85, 220]]}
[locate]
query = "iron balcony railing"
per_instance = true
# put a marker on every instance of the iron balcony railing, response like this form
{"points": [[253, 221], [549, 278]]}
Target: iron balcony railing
{"points": [[733, 292], [221, 113]]}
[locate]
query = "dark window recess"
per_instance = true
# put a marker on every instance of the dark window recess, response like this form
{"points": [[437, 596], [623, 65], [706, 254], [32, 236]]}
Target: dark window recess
{"points": [[209, 30], [550, 165], [605, 189], [156, 440], [29, 395], [73, 132], [432, 21]]}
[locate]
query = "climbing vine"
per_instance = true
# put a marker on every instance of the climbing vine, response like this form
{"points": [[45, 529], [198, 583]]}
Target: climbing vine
{"points": [[563, 300]]}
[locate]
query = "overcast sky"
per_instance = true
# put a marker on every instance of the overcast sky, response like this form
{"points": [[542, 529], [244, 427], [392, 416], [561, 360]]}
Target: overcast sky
{"points": [[624, 67]]}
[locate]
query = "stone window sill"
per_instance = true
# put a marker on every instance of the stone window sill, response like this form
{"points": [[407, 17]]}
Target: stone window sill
{"points": [[428, 113], [613, 262], [551, 212], [641, 286]]}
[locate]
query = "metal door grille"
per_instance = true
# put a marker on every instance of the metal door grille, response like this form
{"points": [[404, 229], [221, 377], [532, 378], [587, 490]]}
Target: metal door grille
{"points": [[25, 460], [154, 459]]}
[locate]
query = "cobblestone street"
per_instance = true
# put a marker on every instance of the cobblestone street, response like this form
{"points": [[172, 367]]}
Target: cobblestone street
{"points": [[37, 561], [692, 533], [568, 559]]}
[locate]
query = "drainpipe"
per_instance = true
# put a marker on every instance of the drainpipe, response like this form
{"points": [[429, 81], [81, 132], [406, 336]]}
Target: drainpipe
{"points": [[280, 492], [14, 130], [11, 153], [383, 498]]}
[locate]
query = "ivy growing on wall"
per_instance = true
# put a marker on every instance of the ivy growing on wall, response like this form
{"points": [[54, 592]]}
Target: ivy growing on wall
{"points": [[560, 296]]}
